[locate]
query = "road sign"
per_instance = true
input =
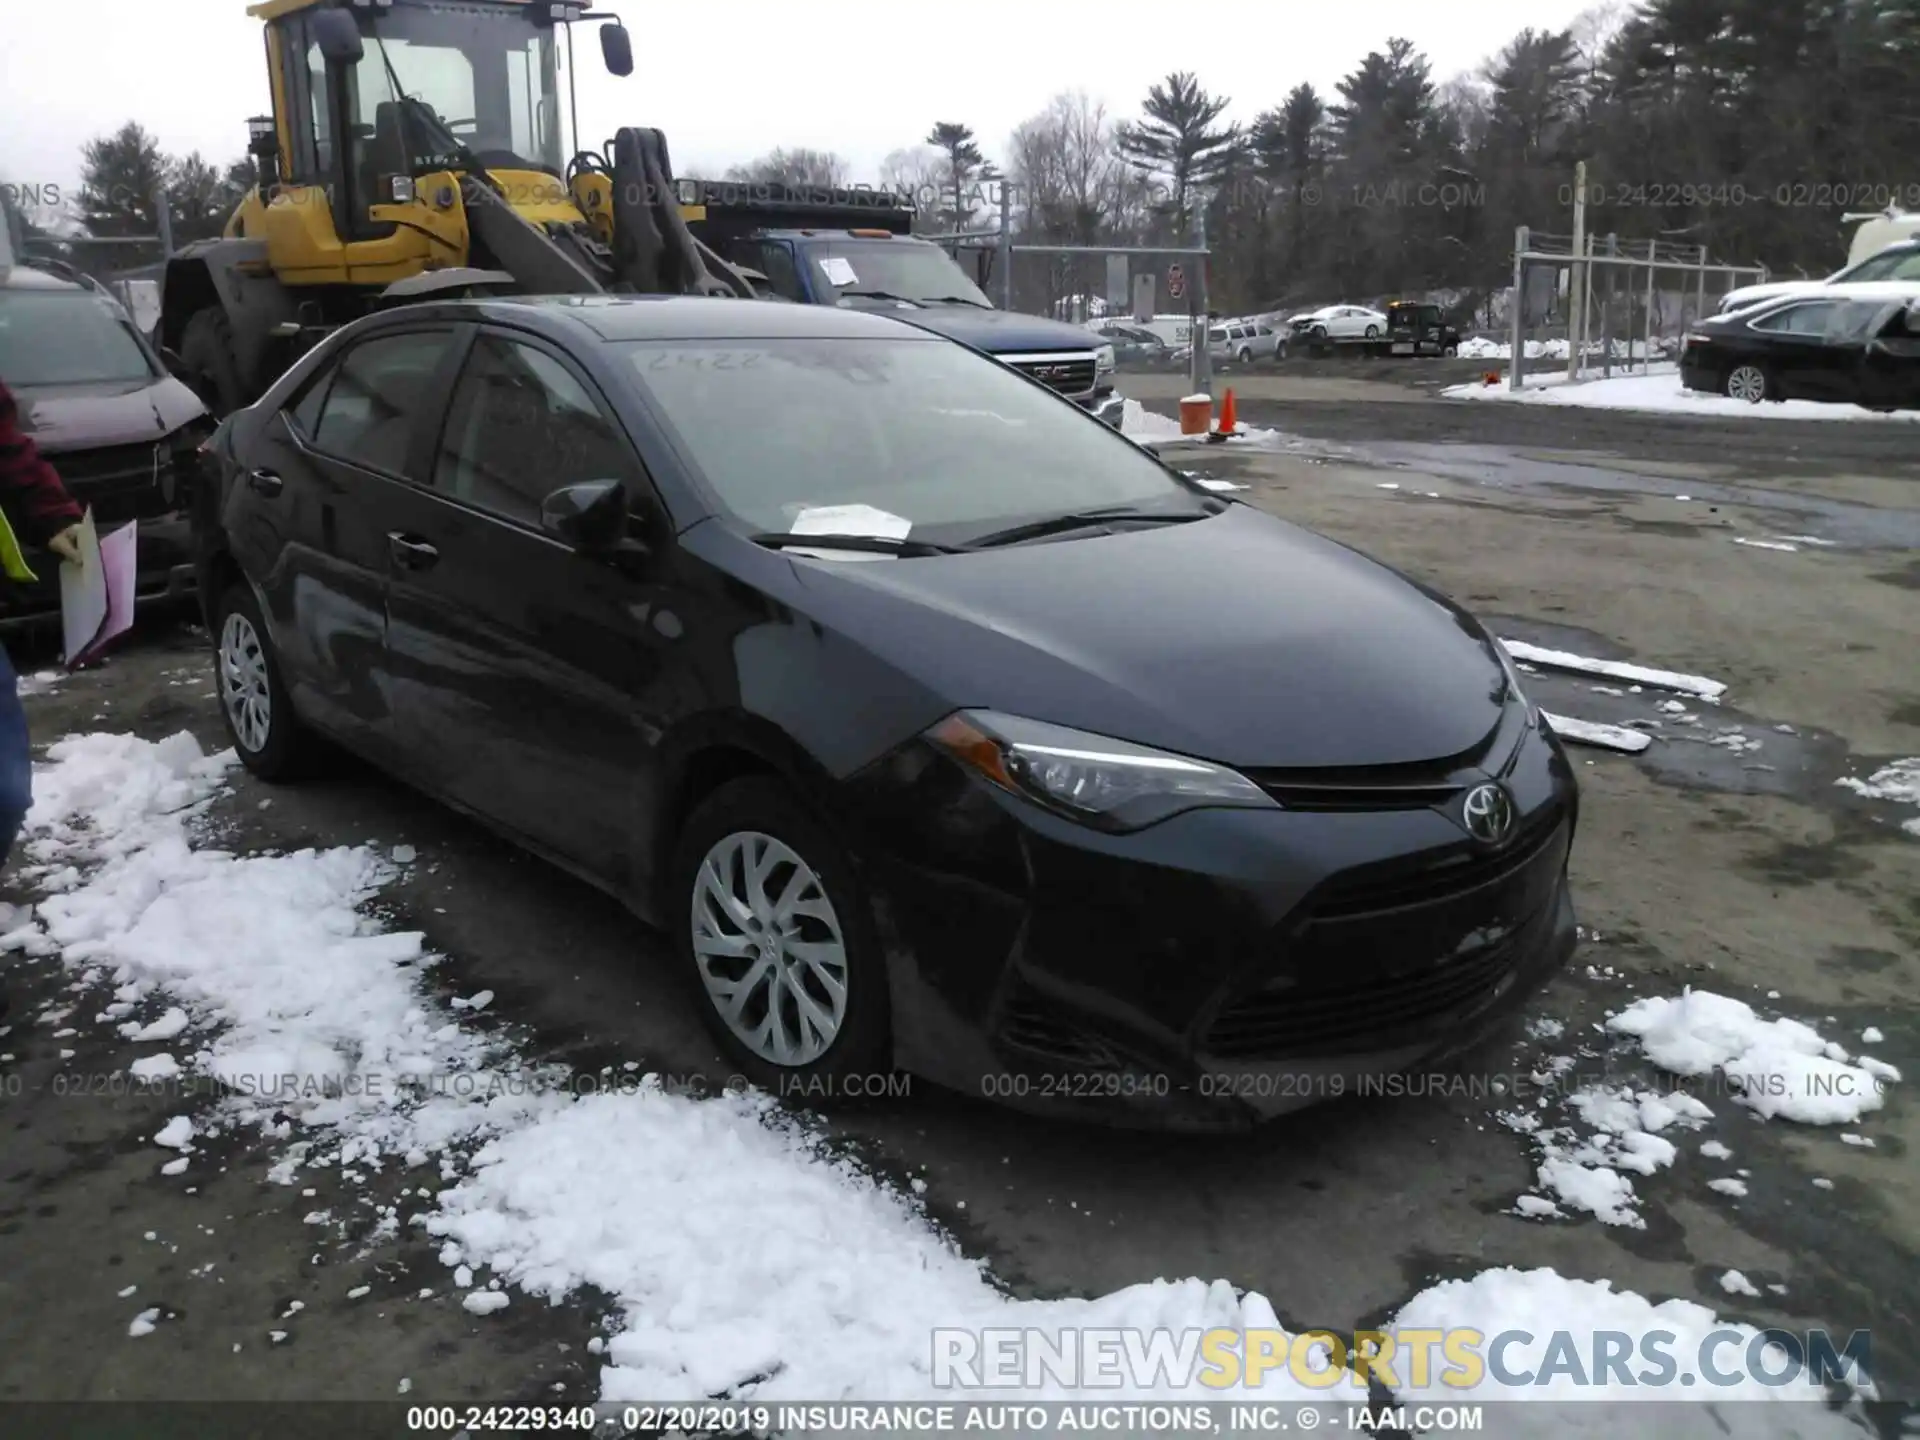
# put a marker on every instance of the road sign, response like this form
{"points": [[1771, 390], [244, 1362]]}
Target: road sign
{"points": [[1176, 281]]}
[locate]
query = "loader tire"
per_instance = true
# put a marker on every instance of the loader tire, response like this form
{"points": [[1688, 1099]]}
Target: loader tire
{"points": [[206, 348]]}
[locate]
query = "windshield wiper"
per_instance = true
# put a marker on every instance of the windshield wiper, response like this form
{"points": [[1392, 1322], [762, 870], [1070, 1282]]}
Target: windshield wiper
{"points": [[1085, 520], [883, 544], [877, 295], [954, 300]]}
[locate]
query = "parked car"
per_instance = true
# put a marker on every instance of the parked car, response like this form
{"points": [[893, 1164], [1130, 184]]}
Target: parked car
{"points": [[1853, 343], [927, 755], [1418, 328], [1339, 322], [102, 408], [1243, 341], [1897, 262], [874, 269], [1132, 344]]}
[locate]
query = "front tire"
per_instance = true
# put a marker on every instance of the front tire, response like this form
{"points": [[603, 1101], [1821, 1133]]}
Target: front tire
{"points": [[775, 933], [1749, 383], [268, 736], [206, 349]]}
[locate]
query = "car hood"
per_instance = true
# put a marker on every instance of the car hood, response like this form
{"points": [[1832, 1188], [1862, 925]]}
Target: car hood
{"points": [[63, 418], [1240, 639], [1779, 290], [1000, 332]]}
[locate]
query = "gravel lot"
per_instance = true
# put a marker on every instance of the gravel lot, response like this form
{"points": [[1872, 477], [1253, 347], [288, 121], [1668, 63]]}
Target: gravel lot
{"points": [[1747, 871]]}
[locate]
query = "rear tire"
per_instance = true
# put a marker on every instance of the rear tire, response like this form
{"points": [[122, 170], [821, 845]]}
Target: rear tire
{"points": [[268, 736], [1244, 356], [1373, 332], [206, 349], [769, 911], [1750, 383]]}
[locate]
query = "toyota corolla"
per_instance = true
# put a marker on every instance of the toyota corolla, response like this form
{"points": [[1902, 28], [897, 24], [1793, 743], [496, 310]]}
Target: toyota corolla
{"points": [[943, 727]]}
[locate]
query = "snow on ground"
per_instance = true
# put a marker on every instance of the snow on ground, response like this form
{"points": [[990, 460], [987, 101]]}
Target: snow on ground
{"points": [[1698, 685], [1480, 347], [1563, 1332], [1773, 1067], [1606, 1131], [1898, 782], [740, 1256], [1153, 430], [1595, 733], [1660, 392]]}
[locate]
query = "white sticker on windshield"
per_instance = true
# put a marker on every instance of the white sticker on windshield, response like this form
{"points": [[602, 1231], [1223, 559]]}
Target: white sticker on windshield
{"points": [[839, 271], [851, 520]]}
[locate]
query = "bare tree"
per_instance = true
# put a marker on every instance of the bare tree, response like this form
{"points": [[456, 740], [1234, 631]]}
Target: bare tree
{"points": [[798, 166], [919, 172]]}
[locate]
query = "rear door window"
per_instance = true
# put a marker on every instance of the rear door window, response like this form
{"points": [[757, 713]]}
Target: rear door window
{"points": [[380, 393]]}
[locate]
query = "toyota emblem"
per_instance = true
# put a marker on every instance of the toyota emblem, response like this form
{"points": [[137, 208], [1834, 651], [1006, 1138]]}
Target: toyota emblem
{"points": [[1487, 814]]}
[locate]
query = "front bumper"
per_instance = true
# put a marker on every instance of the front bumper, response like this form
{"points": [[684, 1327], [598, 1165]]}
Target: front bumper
{"points": [[164, 570], [1215, 970]]}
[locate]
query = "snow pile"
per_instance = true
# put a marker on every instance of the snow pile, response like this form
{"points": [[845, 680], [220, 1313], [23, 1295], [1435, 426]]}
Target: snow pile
{"points": [[1139, 423], [1564, 1332], [1898, 782], [317, 1007], [737, 1249], [1480, 347], [1699, 685], [1661, 392], [1773, 1067], [1581, 1164]]}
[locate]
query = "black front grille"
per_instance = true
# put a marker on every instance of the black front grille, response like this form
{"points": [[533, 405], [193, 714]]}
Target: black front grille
{"points": [[1386, 955], [119, 482], [1455, 874], [1072, 375]]}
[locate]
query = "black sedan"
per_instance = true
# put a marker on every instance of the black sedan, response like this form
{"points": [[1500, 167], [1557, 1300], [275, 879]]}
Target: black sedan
{"points": [[120, 431], [1852, 345], [943, 726]]}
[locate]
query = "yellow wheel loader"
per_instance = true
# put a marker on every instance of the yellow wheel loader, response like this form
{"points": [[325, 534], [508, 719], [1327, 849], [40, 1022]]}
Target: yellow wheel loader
{"points": [[416, 148]]}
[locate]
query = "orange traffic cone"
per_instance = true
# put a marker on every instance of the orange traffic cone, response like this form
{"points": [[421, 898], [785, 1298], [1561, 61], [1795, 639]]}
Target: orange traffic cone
{"points": [[1492, 377], [1228, 421]]}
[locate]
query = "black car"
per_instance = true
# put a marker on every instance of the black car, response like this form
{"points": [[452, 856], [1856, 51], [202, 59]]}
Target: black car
{"points": [[943, 726], [102, 409], [1857, 345], [1416, 328]]}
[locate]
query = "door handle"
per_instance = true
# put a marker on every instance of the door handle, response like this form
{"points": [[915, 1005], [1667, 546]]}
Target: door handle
{"points": [[264, 482], [410, 552]]}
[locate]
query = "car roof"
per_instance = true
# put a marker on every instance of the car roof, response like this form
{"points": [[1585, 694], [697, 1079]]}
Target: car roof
{"points": [[668, 317], [1859, 290]]}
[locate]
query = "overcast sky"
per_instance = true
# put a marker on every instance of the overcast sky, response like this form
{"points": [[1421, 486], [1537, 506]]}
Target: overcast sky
{"points": [[731, 81]]}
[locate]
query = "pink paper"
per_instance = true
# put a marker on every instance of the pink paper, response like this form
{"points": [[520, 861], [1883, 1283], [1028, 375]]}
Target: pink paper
{"points": [[118, 561]]}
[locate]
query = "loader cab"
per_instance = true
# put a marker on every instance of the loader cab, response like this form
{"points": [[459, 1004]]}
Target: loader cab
{"points": [[370, 97]]}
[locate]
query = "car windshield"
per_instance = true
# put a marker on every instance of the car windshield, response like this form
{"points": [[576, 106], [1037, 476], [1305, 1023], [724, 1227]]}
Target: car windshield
{"points": [[1904, 265], [928, 433], [66, 337], [902, 269]]}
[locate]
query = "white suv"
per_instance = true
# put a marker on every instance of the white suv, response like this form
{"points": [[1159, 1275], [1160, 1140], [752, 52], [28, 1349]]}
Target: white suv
{"points": [[1242, 340]]}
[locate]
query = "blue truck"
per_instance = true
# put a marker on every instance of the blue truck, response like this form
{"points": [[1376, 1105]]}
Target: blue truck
{"points": [[855, 248]]}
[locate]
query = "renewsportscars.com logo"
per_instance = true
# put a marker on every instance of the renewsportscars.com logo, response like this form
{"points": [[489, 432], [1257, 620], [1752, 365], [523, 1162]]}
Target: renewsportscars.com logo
{"points": [[1462, 1359]]}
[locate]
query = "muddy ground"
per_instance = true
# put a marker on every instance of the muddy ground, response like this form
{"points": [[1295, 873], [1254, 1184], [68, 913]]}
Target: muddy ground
{"points": [[1744, 872]]}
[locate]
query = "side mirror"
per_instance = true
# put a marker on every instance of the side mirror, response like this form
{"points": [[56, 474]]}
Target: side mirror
{"points": [[338, 37], [591, 516], [616, 48]]}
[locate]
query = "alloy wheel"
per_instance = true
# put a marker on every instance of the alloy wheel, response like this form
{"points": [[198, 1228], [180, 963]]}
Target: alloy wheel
{"points": [[244, 687], [769, 948], [1748, 383]]}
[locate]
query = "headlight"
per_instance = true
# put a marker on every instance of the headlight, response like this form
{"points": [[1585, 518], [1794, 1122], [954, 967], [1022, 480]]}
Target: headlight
{"points": [[1514, 688], [1103, 358], [1108, 784]]}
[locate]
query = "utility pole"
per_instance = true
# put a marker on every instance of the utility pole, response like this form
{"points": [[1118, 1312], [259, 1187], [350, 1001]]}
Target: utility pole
{"points": [[1577, 287], [1006, 246], [1517, 320], [1201, 362]]}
